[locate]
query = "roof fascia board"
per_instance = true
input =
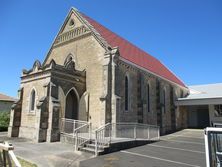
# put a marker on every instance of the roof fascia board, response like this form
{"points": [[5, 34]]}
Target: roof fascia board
{"points": [[7, 100], [198, 102]]}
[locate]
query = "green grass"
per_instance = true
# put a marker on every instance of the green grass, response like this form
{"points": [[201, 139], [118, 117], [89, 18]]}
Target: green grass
{"points": [[25, 163]]}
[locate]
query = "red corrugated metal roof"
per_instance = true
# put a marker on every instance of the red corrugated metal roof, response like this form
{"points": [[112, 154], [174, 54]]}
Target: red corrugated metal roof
{"points": [[132, 53]]}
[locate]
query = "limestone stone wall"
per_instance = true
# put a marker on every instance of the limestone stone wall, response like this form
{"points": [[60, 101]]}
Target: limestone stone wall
{"points": [[182, 118], [88, 55], [181, 112], [150, 117], [61, 90], [30, 120], [138, 99], [131, 114], [212, 117], [72, 21]]}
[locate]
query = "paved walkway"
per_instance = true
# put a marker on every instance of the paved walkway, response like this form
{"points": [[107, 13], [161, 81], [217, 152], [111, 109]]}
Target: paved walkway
{"points": [[181, 149], [46, 154]]}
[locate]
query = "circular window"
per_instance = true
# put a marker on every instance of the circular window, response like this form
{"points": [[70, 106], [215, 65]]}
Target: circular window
{"points": [[71, 23]]}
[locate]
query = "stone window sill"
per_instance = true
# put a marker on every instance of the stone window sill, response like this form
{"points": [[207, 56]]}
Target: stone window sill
{"points": [[31, 113]]}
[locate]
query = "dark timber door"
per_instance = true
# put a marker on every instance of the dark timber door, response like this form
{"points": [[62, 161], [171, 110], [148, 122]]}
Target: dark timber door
{"points": [[71, 106], [203, 118]]}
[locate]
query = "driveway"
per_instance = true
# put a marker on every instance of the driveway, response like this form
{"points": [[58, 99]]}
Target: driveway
{"points": [[181, 149]]}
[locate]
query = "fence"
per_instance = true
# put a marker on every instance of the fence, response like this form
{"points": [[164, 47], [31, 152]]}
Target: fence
{"points": [[7, 156], [78, 130], [112, 132], [68, 126]]}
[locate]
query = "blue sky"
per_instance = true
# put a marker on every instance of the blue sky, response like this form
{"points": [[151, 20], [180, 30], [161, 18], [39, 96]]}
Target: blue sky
{"points": [[186, 35]]}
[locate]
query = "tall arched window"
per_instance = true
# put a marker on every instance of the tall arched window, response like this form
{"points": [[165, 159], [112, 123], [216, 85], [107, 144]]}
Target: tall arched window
{"points": [[126, 93], [164, 101], [148, 97], [32, 100]]}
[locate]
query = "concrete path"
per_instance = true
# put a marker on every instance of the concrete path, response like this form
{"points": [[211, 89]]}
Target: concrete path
{"points": [[46, 154], [181, 149]]}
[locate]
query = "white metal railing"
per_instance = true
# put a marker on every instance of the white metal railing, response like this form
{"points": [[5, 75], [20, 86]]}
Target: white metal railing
{"points": [[68, 126], [81, 132], [112, 132], [8, 158], [103, 136], [82, 135], [135, 131], [76, 129]]}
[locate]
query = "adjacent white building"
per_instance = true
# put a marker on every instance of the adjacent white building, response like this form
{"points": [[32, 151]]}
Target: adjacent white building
{"points": [[203, 105]]}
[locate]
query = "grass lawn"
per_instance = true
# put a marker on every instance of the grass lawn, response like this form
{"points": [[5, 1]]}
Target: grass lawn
{"points": [[25, 163]]}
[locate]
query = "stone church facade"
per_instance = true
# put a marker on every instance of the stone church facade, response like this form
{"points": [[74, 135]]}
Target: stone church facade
{"points": [[94, 75]]}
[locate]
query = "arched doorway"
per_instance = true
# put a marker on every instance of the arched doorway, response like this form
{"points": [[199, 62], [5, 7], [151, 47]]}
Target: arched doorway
{"points": [[71, 111]]}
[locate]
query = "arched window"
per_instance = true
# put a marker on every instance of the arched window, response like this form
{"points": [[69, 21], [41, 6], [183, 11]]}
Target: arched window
{"points": [[126, 93], [148, 97], [70, 62], [32, 100], [164, 101]]}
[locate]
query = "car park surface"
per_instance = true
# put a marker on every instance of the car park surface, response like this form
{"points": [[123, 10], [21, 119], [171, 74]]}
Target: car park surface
{"points": [[181, 149]]}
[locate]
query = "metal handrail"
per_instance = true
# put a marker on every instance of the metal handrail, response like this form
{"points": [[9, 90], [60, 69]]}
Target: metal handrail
{"points": [[76, 130], [136, 131], [100, 137], [134, 123], [73, 120], [68, 126], [102, 127], [81, 132], [80, 140]]}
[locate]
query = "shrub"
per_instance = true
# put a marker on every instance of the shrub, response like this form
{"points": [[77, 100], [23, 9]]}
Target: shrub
{"points": [[4, 120]]}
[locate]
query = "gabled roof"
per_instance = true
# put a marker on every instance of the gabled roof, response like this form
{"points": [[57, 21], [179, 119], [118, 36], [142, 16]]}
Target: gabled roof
{"points": [[6, 98], [133, 54]]}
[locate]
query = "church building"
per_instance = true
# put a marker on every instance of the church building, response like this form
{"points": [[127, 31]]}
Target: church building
{"points": [[92, 74]]}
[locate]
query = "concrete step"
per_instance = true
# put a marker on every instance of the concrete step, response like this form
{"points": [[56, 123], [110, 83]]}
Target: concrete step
{"points": [[90, 150], [113, 147], [92, 145], [93, 142]]}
